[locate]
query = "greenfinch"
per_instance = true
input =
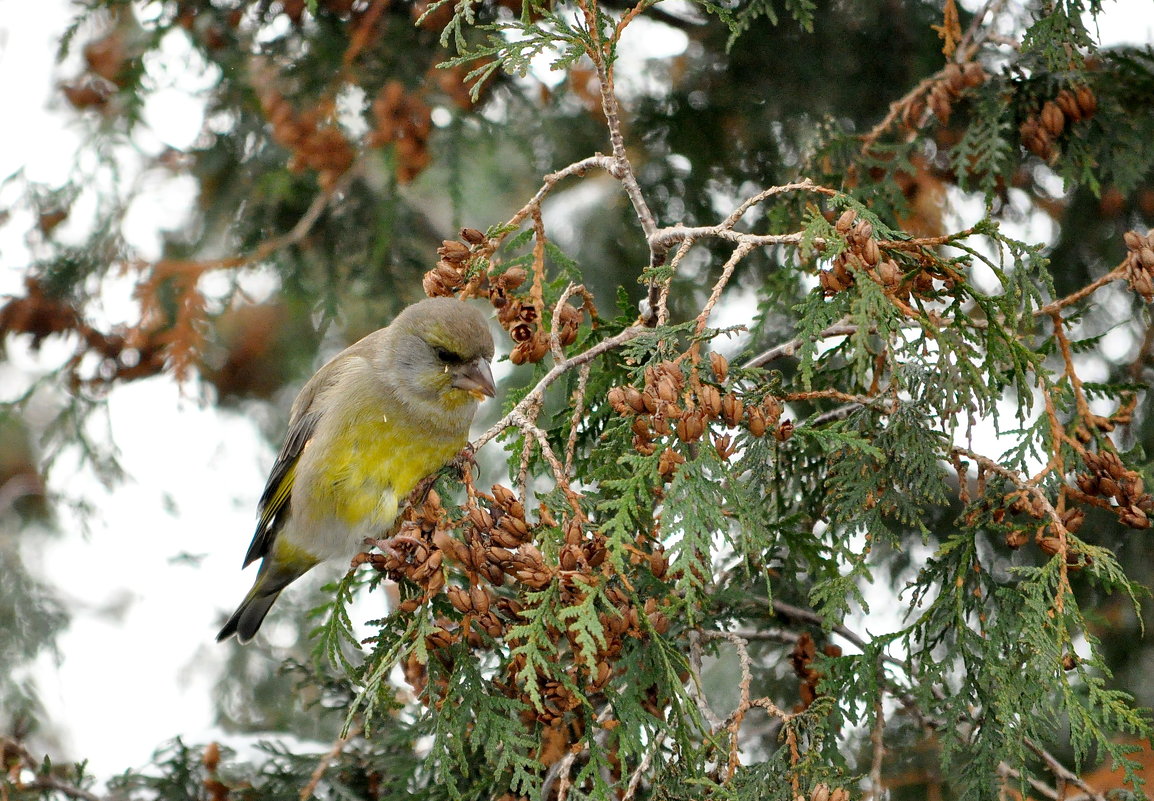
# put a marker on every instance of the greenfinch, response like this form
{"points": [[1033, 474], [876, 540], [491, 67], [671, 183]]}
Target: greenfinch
{"points": [[376, 419]]}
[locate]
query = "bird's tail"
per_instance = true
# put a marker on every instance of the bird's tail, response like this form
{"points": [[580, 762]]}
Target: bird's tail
{"points": [[271, 579], [248, 616]]}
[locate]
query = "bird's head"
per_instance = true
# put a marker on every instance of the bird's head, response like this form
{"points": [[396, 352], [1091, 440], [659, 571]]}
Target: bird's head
{"points": [[440, 350]]}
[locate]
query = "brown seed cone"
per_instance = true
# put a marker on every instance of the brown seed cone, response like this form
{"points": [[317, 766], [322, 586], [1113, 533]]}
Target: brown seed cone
{"points": [[519, 354], [515, 527], [889, 273], [512, 278], [1016, 538], [1053, 120], [668, 461], [480, 599], [691, 427], [658, 564], [939, 101], [1109, 486], [829, 284], [720, 366], [1134, 517], [723, 444], [459, 598], [783, 431], [640, 425], [953, 78], [616, 398], [1086, 100], [634, 400], [845, 221], [732, 410], [521, 333], [1073, 518], [709, 400], [569, 557], [453, 251], [973, 74], [667, 389], [912, 113], [755, 421], [1069, 105]]}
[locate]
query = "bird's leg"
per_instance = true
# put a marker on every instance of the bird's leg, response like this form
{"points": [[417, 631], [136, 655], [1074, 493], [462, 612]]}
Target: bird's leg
{"points": [[464, 462]]}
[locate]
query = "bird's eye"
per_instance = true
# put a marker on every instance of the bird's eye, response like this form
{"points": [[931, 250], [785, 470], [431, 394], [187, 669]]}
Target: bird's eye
{"points": [[447, 356]]}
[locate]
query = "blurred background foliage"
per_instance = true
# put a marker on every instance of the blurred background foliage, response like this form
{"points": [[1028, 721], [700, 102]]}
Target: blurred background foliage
{"points": [[334, 157]]}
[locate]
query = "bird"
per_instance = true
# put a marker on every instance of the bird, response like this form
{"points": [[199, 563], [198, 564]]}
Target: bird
{"points": [[381, 415]]}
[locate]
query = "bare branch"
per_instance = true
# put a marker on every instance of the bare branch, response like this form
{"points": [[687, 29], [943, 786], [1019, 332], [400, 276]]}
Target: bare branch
{"points": [[535, 396], [309, 790]]}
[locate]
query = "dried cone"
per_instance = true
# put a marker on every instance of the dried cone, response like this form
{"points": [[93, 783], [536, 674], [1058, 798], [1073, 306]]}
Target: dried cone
{"points": [[845, 221], [616, 398], [1068, 103], [690, 427], [667, 463], [709, 399], [756, 421], [720, 366], [1087, 102], [1053, 120], [939, 101], [953, 78], [973, 74], [732, 410]]}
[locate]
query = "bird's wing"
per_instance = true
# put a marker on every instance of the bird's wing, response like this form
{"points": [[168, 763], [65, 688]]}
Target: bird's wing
{"points": [[303, 419]]}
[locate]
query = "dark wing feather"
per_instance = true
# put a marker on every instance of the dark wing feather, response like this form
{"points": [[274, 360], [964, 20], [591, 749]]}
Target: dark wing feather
{"points": [[274, 501], [273, 505]]}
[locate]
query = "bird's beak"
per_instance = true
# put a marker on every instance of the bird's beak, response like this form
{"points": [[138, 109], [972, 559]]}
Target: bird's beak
{"points": [[475, 378]]}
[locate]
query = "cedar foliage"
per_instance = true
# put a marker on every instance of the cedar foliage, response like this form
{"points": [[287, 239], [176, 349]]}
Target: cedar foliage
{"points": [[677, 523]]}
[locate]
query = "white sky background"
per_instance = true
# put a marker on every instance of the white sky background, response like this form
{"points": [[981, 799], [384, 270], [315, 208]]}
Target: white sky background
{"points": [[139, 659]]}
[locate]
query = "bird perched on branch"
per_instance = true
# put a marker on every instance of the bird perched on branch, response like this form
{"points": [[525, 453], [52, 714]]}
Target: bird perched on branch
{"points": [[380, 416]]}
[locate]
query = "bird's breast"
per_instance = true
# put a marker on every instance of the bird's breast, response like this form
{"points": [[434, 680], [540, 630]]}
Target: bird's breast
{"points": [[365, 469]]}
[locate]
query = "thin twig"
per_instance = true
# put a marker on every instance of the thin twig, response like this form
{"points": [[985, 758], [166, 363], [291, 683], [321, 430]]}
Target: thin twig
{"points": [[790, 348], [1063, 773], [44, 782], [309, 790], [50, 783], [523, 409], [635, 778], [530, 429], [578, 168], [735, 258], [877, 744], [578, 415], [694, 684], [563, 768]]}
